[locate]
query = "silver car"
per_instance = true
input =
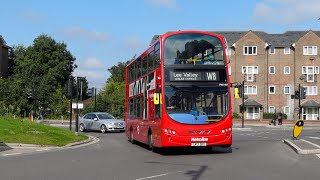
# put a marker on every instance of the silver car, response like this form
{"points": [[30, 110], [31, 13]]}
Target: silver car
{"points": [[100, 121]]}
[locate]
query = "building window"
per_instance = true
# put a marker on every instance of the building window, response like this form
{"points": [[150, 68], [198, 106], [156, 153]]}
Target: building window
{"points": [[250, 71], [312, 90], [272, 109], [249, 50], [286, 70], [286, 50], [272, 70], [310, 50], [272, 89], [286, 110], [272, 50], [286, 89], [310, 71], [250, 89]]}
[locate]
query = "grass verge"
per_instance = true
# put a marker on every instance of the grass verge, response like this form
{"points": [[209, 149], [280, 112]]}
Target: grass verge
{"points": [[18, 131]]}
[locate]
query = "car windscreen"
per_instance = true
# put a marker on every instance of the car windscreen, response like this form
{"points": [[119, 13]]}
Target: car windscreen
{"points": [[105, 116]]}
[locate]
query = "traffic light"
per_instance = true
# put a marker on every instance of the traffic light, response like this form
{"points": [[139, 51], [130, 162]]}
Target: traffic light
{"points": [[30, 95], [236, 92], [241, 90], [70, 87], [296, 94], [90, 92], [303, 92]]}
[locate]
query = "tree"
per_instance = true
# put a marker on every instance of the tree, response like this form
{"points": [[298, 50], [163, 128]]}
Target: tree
{"points": [[44, 67], [118, 72], [111, 99]]}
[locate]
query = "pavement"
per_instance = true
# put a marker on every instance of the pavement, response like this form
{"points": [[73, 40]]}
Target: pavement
{"points": [[10, 149], [300, 146]]}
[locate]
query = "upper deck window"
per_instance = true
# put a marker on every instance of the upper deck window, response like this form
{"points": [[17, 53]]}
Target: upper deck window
{"points": [[193, 49]]}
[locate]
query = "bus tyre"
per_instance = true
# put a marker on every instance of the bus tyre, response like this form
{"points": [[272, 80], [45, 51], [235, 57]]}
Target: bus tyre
{"points": [[131, 137], [103, 128], [150, 142]]}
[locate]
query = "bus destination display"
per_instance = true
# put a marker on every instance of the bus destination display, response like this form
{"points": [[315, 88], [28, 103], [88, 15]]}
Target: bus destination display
{"points": [[194, 76]]}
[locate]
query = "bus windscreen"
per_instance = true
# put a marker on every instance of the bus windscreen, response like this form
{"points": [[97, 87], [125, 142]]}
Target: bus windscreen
{"points": [[193, 49], [196, 105]]}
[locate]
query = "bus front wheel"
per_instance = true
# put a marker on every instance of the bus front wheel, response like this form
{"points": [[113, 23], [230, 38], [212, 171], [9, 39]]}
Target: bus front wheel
{"points": [[131, 137], [150, 142]]}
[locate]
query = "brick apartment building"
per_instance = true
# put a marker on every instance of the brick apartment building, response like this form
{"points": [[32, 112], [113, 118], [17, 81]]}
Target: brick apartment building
{"points": [[272, 67], [4, 53]]}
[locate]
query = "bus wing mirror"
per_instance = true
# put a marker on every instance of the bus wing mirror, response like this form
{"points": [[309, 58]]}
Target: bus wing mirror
{"points": [[156, 98]]}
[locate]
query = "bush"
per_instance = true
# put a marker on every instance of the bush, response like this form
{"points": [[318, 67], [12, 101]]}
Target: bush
{"points": [[236, 115], [270, 116]]}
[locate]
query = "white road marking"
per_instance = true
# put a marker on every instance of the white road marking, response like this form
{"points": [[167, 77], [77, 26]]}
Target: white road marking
{"points": [[165, 174], [313, 137], [316, 145], [10, 154], [39, 150], [318, 155]]}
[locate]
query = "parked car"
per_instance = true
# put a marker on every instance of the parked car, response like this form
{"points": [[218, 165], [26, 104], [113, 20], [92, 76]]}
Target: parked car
{"points": [[101, 121]]}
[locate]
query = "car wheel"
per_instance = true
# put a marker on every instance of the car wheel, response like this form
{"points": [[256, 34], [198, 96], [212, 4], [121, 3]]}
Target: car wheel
{"points": [[82, 128], [103, 128], [131, 137]]}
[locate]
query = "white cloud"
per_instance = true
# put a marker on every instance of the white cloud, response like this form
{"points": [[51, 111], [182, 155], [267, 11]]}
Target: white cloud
{"points": [[135, 44], [166, 3], [94, 70], [93, 63], [286, 11], [81, 32], [95, 78]]}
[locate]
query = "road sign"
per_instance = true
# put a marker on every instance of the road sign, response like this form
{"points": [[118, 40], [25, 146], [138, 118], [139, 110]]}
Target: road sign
{"points": [[74, 105]]}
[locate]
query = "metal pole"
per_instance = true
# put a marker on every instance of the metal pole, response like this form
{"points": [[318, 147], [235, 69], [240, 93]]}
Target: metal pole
{"points": [[242, 104], [299, 103], [77, 100], [95, 98], [70, 90]]}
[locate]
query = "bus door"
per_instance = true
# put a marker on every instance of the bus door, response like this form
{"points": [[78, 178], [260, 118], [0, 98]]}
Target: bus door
{"points": [[154, 104], [151, 109]]}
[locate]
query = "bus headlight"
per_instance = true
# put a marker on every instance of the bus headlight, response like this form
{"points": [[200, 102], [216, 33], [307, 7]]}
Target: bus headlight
{"points": [[169, 131], [226, 130]]}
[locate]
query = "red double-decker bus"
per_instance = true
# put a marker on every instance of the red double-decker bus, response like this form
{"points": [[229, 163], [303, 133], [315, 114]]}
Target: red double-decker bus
{"points": [[178, 92]]}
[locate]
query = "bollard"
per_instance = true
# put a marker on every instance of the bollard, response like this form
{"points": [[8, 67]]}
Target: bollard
{"points": [[297, 129]]}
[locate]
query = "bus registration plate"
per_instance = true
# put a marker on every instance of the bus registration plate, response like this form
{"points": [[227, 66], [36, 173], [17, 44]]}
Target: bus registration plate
{"points": [[199, 144]]}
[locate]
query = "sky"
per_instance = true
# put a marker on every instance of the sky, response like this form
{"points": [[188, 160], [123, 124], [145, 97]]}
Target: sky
{"points": [[101, 33]]}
